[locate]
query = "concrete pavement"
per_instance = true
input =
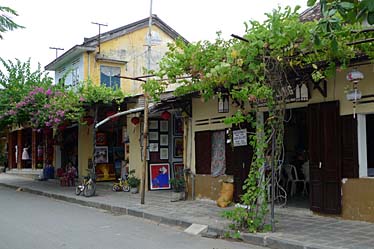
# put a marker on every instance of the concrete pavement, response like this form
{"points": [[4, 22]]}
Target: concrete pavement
{"points": [[295, 228]]}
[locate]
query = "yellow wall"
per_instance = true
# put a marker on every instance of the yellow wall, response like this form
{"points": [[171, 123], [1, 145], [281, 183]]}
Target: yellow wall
{"points": [[85, 148], [131, 48], [358, 199]]}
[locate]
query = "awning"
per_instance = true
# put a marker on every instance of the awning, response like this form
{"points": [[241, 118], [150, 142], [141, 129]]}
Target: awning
{"points": [[118, 114]]}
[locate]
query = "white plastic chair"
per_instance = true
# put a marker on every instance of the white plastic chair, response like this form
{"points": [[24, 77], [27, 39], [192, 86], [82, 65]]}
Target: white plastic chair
{"points": [[305, 168], [292, 178]]}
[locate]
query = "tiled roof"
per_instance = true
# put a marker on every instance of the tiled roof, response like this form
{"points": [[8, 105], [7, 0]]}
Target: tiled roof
{"points": [[311, 14]]}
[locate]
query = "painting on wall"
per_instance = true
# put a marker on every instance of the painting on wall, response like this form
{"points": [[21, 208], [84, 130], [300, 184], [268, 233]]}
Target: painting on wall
{"points": [[101, 154], [178, 170], [178, 147], [160, 176], [178, 126]]}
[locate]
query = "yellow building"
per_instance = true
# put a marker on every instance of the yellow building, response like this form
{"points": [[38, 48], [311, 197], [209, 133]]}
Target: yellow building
{"points": [[104, 59]]}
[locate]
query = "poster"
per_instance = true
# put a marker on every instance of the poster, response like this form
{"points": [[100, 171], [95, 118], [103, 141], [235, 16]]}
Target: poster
{"points": [[160, 176]]}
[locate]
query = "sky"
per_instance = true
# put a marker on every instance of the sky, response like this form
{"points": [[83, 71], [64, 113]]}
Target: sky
{"points": [[64, 24]]}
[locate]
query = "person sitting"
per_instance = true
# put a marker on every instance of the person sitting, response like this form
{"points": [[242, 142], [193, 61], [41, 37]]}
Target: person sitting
{"points": [[71, 173]]}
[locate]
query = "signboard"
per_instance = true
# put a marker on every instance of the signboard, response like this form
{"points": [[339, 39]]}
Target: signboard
{"points": [[240, 137]]}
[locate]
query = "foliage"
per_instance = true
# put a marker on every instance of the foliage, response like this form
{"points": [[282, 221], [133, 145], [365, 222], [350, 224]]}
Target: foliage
{"points": [[350, 11], [93, 94], [133, 180], [6, 22], [178, 184], [31, 98], [336, 14]]}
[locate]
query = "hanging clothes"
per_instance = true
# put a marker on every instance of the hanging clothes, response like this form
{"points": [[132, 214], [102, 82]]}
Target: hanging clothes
{"points": [[25, 154], [218, 162]]}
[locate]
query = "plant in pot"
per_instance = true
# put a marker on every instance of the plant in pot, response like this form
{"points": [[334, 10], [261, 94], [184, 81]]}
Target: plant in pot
{"points": [[179, 186], [133, 182]]}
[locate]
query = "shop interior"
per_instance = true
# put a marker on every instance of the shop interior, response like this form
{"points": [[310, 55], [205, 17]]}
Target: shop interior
{"points": [[294, 176]]}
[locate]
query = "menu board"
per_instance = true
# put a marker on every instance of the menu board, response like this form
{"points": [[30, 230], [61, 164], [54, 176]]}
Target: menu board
{"points": [[240, 137]]}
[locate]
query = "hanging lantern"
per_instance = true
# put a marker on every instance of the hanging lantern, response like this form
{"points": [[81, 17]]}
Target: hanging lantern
{"points": [[135, 120], [165, 115], [353, 95]]}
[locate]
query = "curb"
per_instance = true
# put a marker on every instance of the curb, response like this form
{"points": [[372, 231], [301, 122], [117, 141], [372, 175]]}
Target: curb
{"points": [[265, 240]]}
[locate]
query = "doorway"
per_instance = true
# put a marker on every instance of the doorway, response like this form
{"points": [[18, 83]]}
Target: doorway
{"points": [[295, 174]]}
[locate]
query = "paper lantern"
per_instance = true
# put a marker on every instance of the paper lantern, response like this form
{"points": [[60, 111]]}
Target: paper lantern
{"points": [[165, 115], [135, 120]]}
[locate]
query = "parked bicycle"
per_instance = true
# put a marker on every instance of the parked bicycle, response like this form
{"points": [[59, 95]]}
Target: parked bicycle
{"points": [[122, 184], [88, 185]]}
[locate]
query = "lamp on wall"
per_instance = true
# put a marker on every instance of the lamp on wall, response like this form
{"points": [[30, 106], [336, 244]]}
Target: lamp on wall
{"points": [[353, 95], [223, 103]]}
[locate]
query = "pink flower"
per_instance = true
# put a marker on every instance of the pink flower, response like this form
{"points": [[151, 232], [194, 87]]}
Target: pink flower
{"points": [[48, 92]]}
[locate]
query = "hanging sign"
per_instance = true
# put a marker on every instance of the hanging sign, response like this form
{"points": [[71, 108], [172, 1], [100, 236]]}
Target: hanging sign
{"points": [[239, 137]]}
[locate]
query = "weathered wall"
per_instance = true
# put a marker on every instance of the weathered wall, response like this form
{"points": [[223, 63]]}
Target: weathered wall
{"points": [[131, 48], [208, 187], [85, 148], [358, 199]]}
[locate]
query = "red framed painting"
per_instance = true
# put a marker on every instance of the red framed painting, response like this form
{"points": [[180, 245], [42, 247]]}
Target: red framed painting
{"points": [[159, 176], [178, 170]]}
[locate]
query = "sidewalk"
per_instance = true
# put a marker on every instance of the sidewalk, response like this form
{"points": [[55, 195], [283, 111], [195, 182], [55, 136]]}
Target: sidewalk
{"points": [[294, 228]]}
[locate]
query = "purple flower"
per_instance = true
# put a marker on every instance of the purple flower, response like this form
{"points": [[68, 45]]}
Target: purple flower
{"points": [[48, 92], [12, 112], [48, 124], [57, 120], [47, 106]]}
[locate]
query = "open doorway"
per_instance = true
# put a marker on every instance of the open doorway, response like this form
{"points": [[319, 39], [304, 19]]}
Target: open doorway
{"points": [[295, 168]]}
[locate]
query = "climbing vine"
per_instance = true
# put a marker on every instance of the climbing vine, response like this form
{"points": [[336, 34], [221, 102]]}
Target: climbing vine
{"points": [[259, 71]]}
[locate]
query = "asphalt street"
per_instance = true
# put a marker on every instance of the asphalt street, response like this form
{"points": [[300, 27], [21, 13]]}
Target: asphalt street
{"points": [[33, 221]]}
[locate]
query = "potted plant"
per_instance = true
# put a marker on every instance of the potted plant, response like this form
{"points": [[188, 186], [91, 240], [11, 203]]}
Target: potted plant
{"points": [[133, 182], [179, 186]]}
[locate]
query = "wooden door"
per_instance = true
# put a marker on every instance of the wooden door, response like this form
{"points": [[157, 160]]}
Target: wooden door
{"points": [[203, 157], [324, 157], [240, 161]]}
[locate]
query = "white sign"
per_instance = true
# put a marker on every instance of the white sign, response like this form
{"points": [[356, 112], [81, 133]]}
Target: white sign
{"points": [[240, 137]]}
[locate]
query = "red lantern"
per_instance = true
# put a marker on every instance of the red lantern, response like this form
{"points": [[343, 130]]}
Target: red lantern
{"points": [[135, 120], [165, 115]]}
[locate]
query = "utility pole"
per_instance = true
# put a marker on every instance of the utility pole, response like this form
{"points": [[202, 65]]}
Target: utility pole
{"points": [[145, 131], [98, 38], [56, 50]]}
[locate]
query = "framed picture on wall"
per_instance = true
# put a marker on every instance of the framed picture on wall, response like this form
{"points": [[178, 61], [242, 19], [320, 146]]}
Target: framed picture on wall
{"points": [[178, 147], [164, 153], [178, 126], [153, 135], [164, 126], [153, 147], [101, 138], [164, 139], [153, 124], [159, 176], [178, 170], [101, 154]]}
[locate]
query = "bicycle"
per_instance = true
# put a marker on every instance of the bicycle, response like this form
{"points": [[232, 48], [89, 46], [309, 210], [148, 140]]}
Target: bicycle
{"points": [[121, 185], [88, 185]]}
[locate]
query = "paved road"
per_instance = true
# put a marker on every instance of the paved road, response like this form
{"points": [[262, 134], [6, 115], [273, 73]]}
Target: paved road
{"points": [[32, 221]]}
